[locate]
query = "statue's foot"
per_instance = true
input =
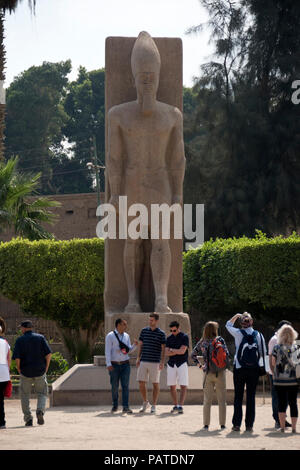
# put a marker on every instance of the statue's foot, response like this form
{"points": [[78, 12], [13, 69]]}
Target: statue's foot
{"points": [[162, 307], [133, 307]]}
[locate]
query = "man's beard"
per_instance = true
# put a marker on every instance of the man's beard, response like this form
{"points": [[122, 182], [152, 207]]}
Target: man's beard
{"points": [[148, 103]]}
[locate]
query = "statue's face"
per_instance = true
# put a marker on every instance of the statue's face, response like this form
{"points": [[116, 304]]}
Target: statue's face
{"points": [[147, 83]]}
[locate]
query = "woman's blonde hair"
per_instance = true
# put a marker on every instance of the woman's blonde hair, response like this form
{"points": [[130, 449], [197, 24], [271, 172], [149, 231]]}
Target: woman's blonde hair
{"points": [[210, 330], [286, 335]]}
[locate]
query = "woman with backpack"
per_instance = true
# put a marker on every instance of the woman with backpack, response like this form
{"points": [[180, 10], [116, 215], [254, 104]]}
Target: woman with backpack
{"points": [[285, 358], [215, 359]]}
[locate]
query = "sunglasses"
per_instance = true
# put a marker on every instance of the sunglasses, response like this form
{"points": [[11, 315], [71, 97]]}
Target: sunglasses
{"points": [[173, 331]]}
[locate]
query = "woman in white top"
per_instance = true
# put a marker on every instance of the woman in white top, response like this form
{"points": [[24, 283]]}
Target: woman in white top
{"points": [[4, 370]]}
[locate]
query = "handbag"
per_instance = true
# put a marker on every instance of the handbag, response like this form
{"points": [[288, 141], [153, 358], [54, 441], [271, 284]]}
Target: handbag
{"points": [[262, 363], [8, 390], [124, 348]]}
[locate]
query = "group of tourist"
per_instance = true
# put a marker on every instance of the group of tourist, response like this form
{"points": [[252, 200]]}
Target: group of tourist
{"points": [[33, 354], [212, 355]]}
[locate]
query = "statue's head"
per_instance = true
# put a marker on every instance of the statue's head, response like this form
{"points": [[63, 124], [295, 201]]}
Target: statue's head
{"points": [[145, 65]]}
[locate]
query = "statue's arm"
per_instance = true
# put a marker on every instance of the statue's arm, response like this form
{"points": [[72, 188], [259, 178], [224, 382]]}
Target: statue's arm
{"points": [[114, 163], [176, 158]]}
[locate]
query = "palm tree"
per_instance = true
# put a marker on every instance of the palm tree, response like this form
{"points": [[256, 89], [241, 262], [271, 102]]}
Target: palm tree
{"points": [[19, 209], [5, 5]]}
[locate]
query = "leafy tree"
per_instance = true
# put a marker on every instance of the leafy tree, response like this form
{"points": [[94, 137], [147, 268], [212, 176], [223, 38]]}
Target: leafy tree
{"points": [[243, 159], [5, 5], [51, 124], [35, 117], [85, 107], [17, 209]]}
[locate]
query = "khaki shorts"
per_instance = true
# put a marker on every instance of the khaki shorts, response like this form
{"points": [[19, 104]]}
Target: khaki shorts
{"points": [[148, 371]]}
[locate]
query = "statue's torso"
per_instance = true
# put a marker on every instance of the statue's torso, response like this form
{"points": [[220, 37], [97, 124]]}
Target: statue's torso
{"points": [[146, 142]]}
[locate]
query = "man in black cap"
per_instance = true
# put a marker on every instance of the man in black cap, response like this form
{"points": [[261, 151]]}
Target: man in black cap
{"points": [[32, 355]]}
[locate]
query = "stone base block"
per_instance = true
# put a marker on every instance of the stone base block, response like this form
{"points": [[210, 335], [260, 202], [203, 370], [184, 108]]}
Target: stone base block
{"points": [[87, 384], [103, 397]]}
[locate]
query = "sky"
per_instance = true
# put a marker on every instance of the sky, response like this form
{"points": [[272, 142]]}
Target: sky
{"points": [[77, 29]]}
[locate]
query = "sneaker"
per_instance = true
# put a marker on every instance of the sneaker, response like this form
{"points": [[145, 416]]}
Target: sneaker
{"points": [[28, 423], [223, 426], [153, 409], [249, 429], [114, 409], [277, 425], [3, 426], [205, 428], [236, 428], [288, 425], [146, 404], [40, 417], [180, 409], [175, 409], [282, 430], [294, 431], [128, 411]]}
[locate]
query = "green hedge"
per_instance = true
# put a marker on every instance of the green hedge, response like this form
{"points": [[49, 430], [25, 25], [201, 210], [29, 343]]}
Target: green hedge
{"points": [[58, 280], [227, 275], [61, 281]]}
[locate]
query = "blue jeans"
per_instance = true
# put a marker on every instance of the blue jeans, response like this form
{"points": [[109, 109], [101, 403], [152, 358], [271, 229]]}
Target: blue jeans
{"points": [[120, 373], [274, 400]]}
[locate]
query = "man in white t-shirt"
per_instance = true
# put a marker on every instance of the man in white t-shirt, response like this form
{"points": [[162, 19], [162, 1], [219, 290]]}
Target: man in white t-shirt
{"points": [[4, 370], [272, 343]]}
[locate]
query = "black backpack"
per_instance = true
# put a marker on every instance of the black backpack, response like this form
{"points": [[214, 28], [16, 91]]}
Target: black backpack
{"points": [[248, 353]]}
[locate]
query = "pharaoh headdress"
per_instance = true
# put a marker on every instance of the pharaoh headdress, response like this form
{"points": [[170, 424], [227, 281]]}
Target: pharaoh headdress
{"points": [[145, 56]]}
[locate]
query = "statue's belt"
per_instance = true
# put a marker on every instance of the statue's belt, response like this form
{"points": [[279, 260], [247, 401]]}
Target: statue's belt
{"points": [[144, 171]]}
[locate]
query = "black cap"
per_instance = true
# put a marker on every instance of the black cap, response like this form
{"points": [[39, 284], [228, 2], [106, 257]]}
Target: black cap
{"points": [[26, 324], [283, 322]]}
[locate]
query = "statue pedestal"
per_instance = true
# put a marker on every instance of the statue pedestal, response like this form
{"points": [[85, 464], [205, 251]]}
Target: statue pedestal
{"points": [[89, 385], [138, 320]]}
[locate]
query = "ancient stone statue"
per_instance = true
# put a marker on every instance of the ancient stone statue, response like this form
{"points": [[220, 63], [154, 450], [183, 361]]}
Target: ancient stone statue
{"points": [[145, 157]]}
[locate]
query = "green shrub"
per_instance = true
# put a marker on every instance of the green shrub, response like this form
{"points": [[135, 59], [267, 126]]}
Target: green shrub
{"points": [[58, 365], [259, 273], [61, 281]]}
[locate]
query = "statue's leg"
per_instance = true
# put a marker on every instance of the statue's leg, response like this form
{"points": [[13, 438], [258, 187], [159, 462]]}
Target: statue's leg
{"points": [[160, 266], [132, 268]]}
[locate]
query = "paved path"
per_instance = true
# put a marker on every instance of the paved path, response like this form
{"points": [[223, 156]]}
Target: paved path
{"points": [[93, 428]]}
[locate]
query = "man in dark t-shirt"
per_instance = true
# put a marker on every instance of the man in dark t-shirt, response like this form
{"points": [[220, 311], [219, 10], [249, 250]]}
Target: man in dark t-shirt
{"points": [[177, 368], [150, 360], [32, 355]]}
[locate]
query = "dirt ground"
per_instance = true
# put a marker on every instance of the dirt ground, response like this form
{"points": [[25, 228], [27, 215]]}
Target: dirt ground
{"points": [[95, 428]]}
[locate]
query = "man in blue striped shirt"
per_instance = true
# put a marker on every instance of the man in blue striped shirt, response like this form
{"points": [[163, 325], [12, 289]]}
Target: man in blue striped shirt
{"points": [[150, 360]]}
